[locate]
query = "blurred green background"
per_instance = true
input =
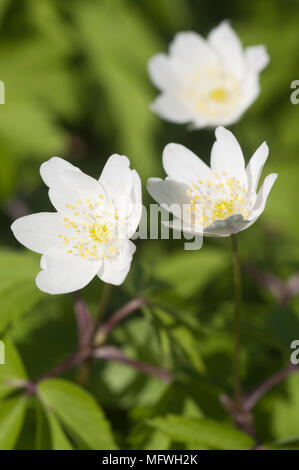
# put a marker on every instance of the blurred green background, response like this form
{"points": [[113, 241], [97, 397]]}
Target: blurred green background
{"points": [[77, 86]]}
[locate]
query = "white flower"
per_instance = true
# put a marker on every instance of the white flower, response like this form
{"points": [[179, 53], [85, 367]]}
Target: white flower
{"points": [[89, 234], [220, 200], [207, 82]]}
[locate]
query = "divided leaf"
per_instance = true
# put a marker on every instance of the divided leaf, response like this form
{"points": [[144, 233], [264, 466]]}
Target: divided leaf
{"points": [[78, 412], [12, 414], [202, 432], [13, 370]]}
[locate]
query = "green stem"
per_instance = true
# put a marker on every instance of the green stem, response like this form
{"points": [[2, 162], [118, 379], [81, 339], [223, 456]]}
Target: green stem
{"points": [[84, 369], [237, 286], [107, 289]]}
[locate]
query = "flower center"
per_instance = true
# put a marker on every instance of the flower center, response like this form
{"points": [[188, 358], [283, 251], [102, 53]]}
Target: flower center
{"points": [[100, 232], [92, 230], [218, 94], [211, 91], [224, 208], [217, 199]]}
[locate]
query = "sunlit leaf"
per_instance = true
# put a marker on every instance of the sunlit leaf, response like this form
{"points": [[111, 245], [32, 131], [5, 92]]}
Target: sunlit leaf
{"points": [[18, 292], [78, 411], [12, 371], [202, 431], [12, 413]]}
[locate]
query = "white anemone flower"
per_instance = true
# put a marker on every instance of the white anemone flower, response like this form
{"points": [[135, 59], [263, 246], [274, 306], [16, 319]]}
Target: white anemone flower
{"points": [[212, 201], [90, 233], [207, 82]]}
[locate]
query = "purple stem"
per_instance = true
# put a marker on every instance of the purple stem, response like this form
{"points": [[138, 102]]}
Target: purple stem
{"points": [[85, 322], [112, 353], [104, 330], [267, 385]]}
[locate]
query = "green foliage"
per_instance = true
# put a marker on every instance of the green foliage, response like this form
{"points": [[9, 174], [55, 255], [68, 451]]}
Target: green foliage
{"points": [[11, 418], [12, 371], [18, 293], [59, 439], [79, 413], [202, 432]]}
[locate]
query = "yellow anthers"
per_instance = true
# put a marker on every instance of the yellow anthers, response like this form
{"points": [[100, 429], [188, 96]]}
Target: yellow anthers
{"points": [[100, 232], [218, 94], [220, 198], [223, 209], [92, 237], [65, 241]]}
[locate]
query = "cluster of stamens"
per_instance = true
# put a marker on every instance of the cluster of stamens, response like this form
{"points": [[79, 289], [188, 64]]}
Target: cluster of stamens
{"points": [[216, 200], [92, 230], [212, 91]]}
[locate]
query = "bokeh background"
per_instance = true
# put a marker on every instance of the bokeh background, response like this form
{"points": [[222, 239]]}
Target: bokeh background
{"points": [[77, 86]]}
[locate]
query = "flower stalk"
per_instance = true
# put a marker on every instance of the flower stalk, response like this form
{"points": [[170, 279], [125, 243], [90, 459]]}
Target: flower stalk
{"points": [[237, 314]]}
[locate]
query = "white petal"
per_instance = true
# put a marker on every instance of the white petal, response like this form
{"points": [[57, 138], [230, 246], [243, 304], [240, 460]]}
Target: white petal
{"points": [[255, 166], [51, 169], [38, 232], [71, 186], [63, 272], [136, 204], [115, 271], [226, 43], [192, 50], [224, 228], [116, 177], [169, 192], [162, 72], [68, 183], [169, 108], [257, 58], [227, 156], [262, 196], [180, 163], [219, 228]]}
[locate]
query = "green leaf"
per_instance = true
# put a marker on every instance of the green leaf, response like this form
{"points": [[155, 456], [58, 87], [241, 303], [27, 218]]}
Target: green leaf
{"points": [[288, 443], [42, 431], [179, 269], [202, 431], [188, 343], [12, 414], [79, 413], [12, 371], [18, 292], [59, 439], [282, 406]]}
